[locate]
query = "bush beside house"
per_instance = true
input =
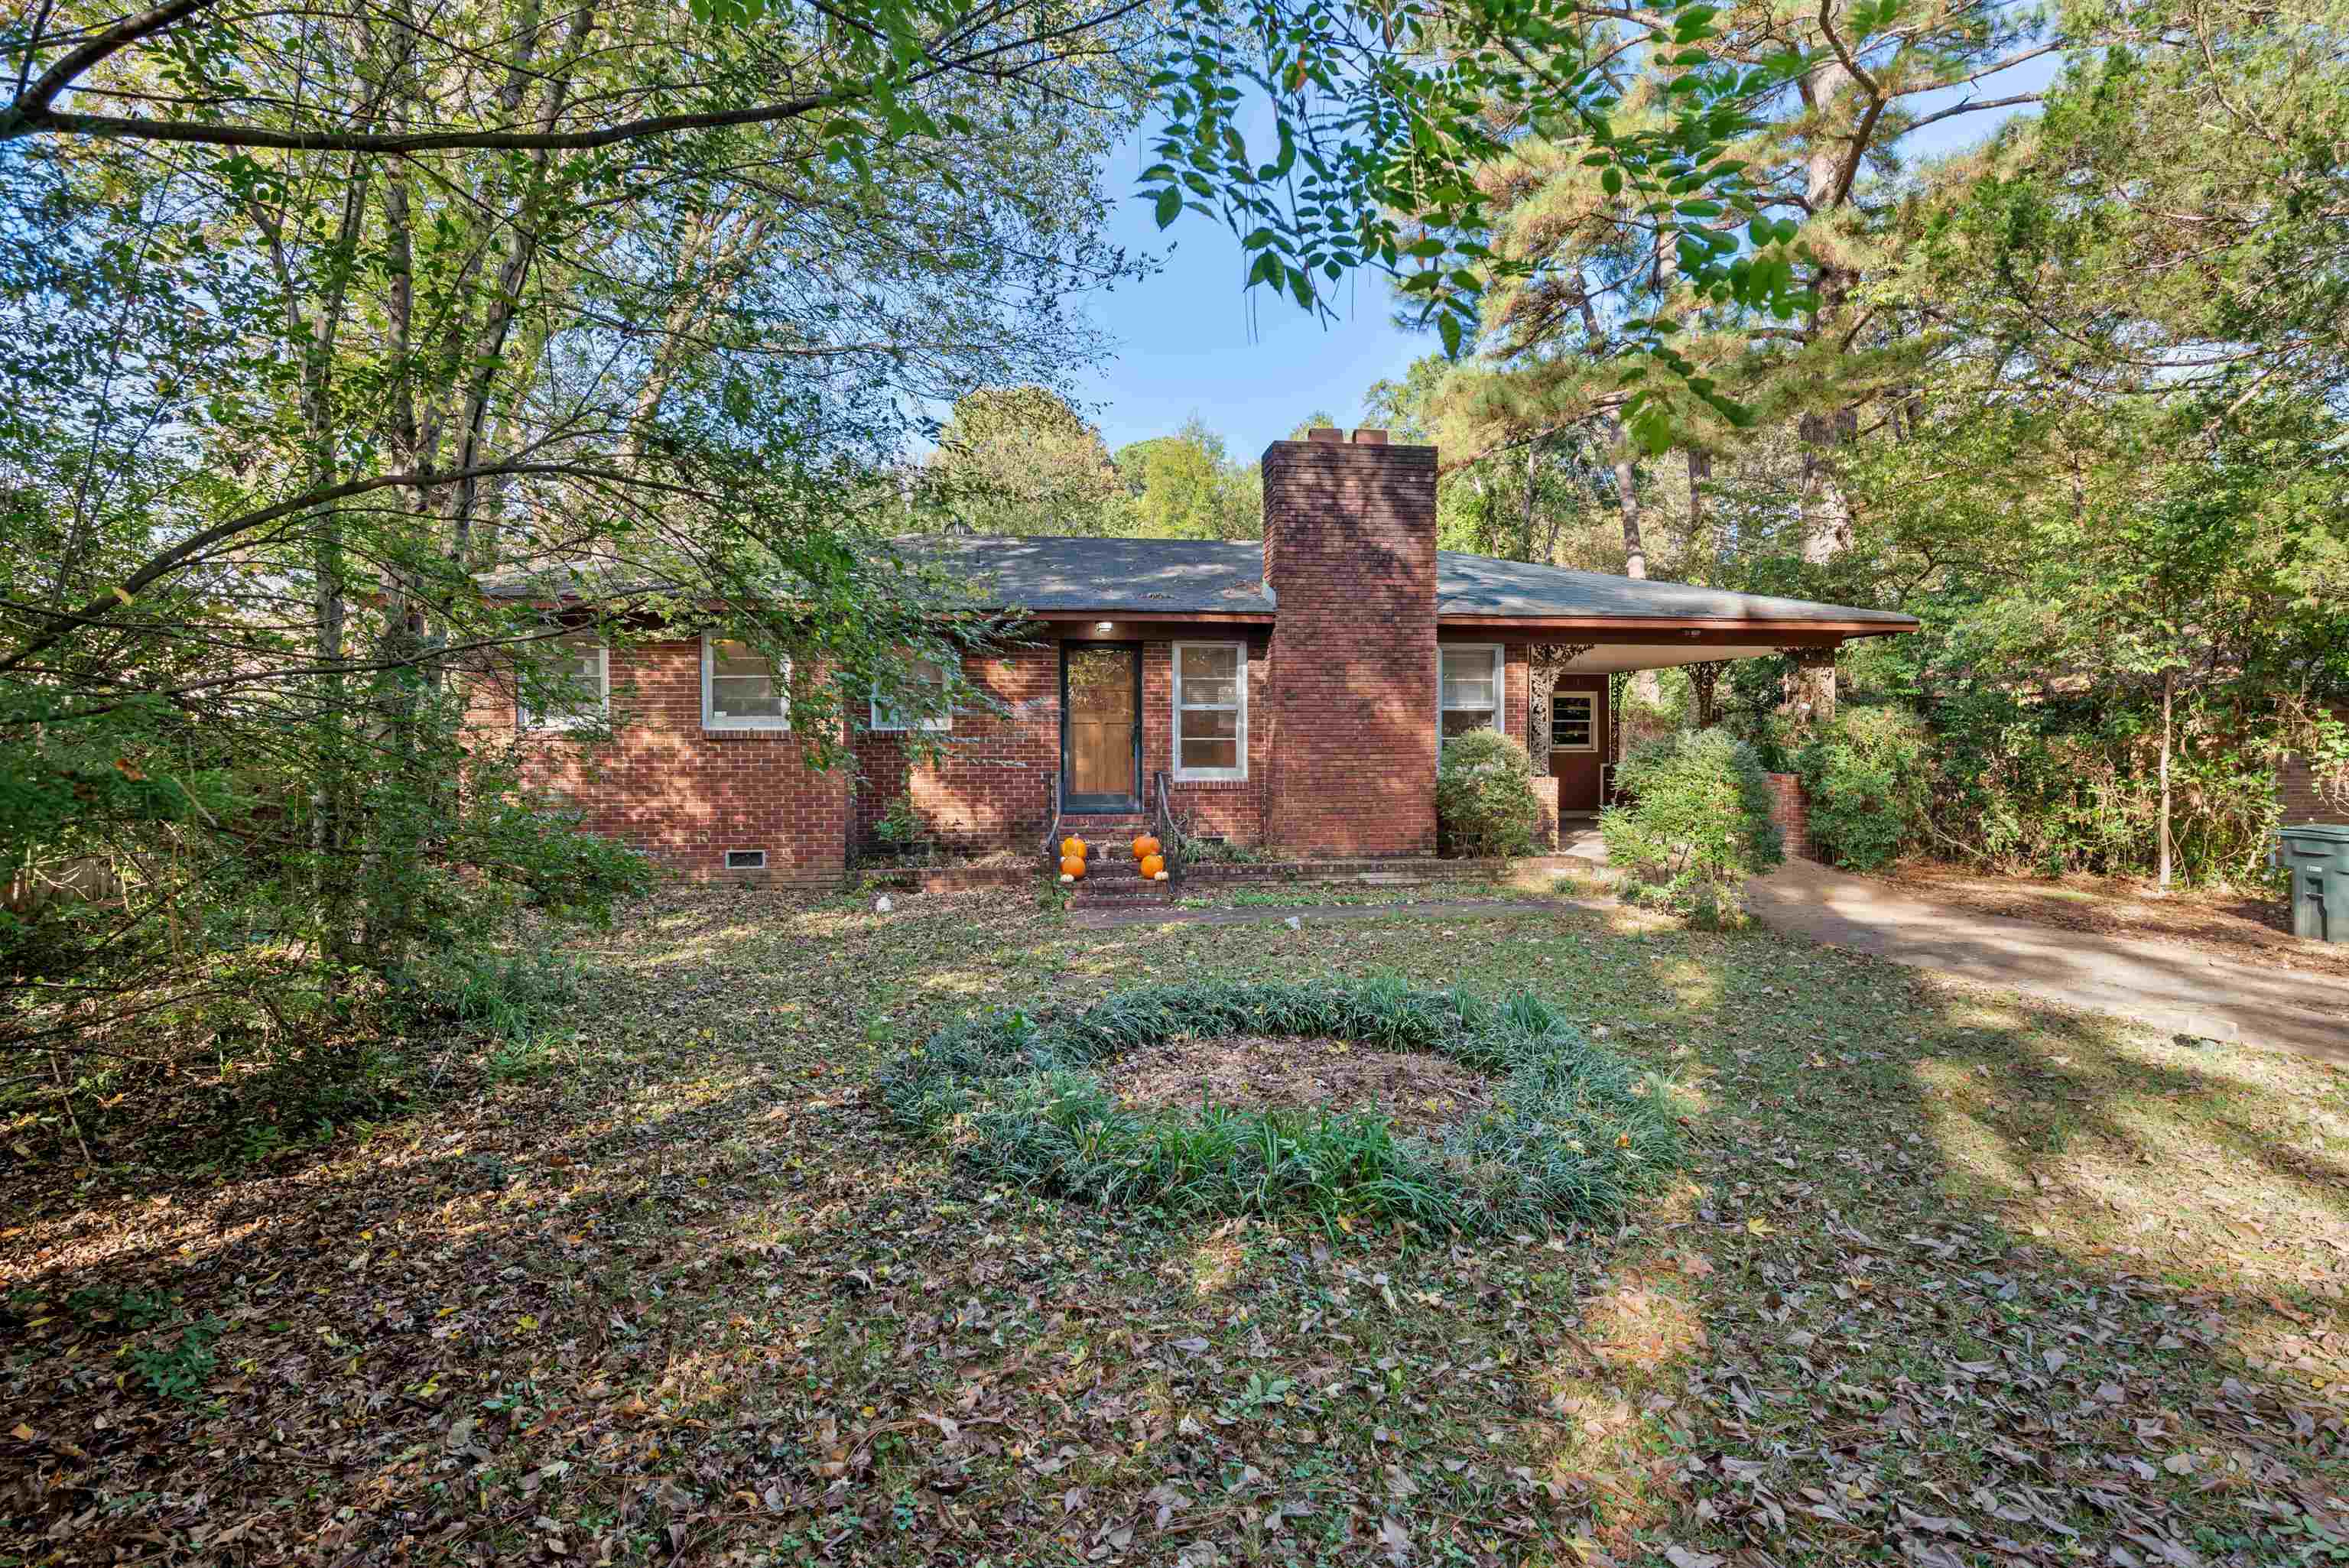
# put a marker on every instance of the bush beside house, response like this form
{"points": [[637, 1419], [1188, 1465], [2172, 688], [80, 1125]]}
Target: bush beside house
{"points": [[1867, 779], [1485, 800], [1696, 825]]}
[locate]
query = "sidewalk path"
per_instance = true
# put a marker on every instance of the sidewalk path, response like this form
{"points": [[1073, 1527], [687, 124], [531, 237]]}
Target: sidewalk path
{"points": [[2168, 985]]}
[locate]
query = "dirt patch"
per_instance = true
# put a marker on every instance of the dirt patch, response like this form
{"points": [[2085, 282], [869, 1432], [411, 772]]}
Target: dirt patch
{"points": [[2245, 927], [1413, 1090]]}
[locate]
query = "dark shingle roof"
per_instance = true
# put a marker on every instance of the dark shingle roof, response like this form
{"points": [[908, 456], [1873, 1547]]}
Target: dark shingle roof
{"points": [[1172, 576], [1159, 576], [1482, 585]]}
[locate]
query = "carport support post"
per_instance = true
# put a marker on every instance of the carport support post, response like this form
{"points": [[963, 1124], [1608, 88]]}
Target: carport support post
{"points": [[1811, 687]]}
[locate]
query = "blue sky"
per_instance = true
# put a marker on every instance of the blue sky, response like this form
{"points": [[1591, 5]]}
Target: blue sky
{"points": [[1191, 342]]}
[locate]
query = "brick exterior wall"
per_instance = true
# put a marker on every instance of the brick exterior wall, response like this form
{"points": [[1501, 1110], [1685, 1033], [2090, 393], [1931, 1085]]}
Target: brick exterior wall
{"points": [[1214, 808], [1789, 809], [683, 795], [992, 788], [1350, 550], [2301, 800]]}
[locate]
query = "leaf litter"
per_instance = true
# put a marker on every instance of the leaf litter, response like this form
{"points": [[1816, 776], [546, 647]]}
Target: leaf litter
{"points": [[1955, 1280]]}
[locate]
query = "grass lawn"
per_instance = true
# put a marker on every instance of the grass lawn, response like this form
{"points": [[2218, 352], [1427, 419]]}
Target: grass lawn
{"points": [[1951, 1279]]}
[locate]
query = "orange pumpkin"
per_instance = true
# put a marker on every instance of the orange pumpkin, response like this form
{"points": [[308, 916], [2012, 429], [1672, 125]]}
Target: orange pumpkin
{"points": [[1153, 865], [1144, 847], [1072, 846], [1072, 865]]}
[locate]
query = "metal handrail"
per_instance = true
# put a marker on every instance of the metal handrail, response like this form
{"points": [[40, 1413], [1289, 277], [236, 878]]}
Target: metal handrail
{"points": [[1170, 837], [1052, 821]]}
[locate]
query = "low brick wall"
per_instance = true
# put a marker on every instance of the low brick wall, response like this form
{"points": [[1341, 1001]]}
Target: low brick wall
{"points": [[1792, 815], [2301, 800], [1390, 869], [947, 879]]}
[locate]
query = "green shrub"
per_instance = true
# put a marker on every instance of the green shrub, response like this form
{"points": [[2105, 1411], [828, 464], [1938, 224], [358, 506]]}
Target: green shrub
{"points": [[510, 994], [180, 1371], [900, 826], [1697, 825], [1484, 800], [1573, 1134], [1867, 779]]}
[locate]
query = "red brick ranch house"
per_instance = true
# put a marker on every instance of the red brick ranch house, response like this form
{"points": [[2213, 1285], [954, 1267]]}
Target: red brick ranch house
{"points": [[1292, 693]]}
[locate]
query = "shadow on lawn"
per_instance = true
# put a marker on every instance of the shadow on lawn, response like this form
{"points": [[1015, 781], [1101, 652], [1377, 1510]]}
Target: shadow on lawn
{"points": [[1968, 1280]]}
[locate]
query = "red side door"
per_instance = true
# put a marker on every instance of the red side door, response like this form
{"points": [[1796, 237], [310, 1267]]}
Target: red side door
{"points": [[1577, 741]]}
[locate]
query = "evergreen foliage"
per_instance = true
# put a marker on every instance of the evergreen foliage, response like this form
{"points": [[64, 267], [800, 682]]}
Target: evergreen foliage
{"points": [[1697, 824], [1866, 784], [1484, 801]]}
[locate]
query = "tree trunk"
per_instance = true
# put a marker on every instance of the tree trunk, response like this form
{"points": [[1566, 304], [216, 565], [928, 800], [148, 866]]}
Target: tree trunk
{"points": [[1627, 487], [1704, 683], [1827, 509], [1700, 474], [1811, 689], [1627, 475], [2168, 695]]}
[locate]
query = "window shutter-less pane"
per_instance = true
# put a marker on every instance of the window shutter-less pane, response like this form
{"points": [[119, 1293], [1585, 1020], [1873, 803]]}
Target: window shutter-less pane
{"points": [[1210, 702], [1468, 679], [742, 684], [923, 673], [1572, 721], [1211, 724], [1204, 753], [1203, 662]]}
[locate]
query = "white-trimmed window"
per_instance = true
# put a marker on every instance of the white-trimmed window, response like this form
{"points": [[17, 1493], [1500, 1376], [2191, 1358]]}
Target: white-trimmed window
{"points": [[580, 662], [1471, 681], [1210, 710], [742, 688], [1574, 721], [928, 676]]}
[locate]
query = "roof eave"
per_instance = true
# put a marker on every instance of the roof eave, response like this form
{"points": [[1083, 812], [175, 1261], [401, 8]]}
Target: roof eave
{"points": [[1650, 628]]}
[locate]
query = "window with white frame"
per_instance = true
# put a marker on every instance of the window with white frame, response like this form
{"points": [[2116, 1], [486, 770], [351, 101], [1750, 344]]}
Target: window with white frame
{"points": [[929, 679], [1574, 721], [575, 690], [1471, 682], [742, 688], [1210, 710]]}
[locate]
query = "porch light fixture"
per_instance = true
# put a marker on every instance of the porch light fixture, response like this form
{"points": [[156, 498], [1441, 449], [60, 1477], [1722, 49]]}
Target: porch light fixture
{"points": [[1104, 625]]}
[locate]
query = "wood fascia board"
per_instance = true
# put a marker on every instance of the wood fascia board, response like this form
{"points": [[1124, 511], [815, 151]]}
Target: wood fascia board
{"points": [[1612, 629]]}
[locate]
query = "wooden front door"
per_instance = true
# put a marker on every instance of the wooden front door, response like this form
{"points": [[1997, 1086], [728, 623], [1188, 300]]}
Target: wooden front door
{"points": [[1578, 742], [1101, 727]]}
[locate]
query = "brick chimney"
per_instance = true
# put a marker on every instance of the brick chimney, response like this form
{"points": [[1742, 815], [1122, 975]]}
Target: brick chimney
{"points": [[1349, 553]]}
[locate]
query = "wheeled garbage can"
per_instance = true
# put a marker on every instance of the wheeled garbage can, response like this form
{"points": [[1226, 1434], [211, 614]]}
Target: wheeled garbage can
{"points": [[2317, 856]]}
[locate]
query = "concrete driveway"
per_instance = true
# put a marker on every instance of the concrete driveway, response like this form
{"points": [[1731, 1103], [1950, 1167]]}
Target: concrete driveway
{"points": [[2167, 984]]}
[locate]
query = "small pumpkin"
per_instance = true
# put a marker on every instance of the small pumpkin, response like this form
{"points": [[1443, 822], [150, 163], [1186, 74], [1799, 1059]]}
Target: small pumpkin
{"points": [[1066, 878], [1145, 846], [1153, 865], [1071, 867], [1072, 846]]}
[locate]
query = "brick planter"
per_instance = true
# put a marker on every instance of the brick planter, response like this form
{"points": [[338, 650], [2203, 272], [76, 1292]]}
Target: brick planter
{"points": [[1789, 809]]}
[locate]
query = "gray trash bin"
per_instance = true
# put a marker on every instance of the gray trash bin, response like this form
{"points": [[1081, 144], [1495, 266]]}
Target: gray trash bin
{"points": [[2317, 856]]}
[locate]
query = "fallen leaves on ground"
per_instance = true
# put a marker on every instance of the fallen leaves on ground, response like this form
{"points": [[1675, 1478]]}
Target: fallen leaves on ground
{"points": [[1950, 1280]]}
